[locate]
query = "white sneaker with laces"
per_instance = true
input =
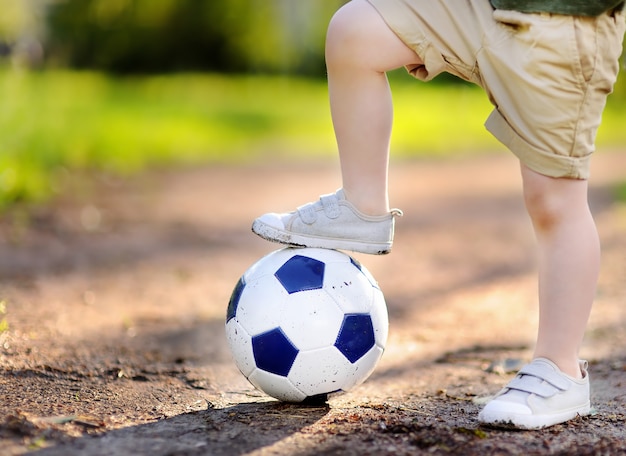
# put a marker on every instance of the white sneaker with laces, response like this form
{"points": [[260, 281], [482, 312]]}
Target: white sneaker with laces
{"points": [[539, 396], [330, 223]]}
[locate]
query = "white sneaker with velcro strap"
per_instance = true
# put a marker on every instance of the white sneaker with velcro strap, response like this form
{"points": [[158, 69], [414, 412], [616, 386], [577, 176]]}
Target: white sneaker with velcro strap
{"points": [[330, 223], [539, 396]]}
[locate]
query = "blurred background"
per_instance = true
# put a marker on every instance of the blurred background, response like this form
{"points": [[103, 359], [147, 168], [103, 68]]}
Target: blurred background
{"points": [[120, 86]]}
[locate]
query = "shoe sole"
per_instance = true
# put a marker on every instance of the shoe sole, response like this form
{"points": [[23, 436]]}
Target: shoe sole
{"points": [[531, 422], [297, 240]]}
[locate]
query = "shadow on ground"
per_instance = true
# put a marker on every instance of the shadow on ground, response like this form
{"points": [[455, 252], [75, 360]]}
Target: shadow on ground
{"points": [[229, 432]]}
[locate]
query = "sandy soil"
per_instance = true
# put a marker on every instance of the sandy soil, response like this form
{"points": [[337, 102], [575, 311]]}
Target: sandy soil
{"points": [[115, 298]]}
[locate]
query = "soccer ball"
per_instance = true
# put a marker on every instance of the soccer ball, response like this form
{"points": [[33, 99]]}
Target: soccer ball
{"points": [[302, 323]]}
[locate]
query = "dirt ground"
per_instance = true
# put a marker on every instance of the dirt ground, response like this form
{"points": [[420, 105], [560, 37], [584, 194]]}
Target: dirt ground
{"points": [[115, 298]]}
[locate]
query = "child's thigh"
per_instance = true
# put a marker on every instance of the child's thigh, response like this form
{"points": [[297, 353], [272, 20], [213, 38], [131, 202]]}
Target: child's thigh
{"points": [[359, 37], [445, 34]]}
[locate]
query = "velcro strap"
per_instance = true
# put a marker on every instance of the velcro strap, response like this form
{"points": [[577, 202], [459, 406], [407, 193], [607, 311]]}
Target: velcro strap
{"points": [[307, 213], [330, 205], [538, 379], [532, 385], [545, 373]]}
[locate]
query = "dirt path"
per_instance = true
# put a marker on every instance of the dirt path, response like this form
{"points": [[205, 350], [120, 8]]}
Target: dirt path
{"points": [[115, 303]]}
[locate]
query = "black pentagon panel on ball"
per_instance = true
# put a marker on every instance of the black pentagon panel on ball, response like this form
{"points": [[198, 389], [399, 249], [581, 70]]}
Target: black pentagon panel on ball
{"points": [[301, 273], [274, 352], [356, 264], [231, 311], [366, 273], [356, 336]]}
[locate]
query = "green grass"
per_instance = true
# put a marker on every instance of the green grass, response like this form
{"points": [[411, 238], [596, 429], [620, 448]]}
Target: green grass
{"points": [[60, 121]]}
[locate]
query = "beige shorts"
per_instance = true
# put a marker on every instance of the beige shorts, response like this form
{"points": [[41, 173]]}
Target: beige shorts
{"points": [[548, 76]]}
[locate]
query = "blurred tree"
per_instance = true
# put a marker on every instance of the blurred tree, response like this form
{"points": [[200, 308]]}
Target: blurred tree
{"points": [[262, 36], [21, 30], [18, 17], [170, 35]]}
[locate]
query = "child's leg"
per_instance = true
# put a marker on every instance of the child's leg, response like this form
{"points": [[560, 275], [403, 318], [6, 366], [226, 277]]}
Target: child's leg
{"points": [[540, 395], [360, 48], [569, 261]]}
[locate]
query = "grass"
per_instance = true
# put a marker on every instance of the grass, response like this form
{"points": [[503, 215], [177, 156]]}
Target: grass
{"points": [[4, 325], [59, 121]]}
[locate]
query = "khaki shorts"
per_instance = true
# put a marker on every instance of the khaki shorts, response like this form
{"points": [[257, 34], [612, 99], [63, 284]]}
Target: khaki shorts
{"points": [[548, 76]]}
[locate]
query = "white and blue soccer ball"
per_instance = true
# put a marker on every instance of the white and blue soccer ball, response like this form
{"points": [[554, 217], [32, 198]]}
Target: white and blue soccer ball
{"points": [[303, 323]]}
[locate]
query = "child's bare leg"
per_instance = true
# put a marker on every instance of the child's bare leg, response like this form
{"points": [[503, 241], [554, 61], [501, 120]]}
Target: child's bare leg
{"points": [[360, 48], [569, 262]]}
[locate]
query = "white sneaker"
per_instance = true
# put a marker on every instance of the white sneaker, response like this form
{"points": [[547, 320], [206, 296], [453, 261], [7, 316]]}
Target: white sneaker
{"points": [[330, 223], [539, 396]]}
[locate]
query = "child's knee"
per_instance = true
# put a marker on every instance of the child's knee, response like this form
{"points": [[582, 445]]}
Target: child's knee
{"points": [[550, 200], [349, 32], [344, 33], [544, 209]]}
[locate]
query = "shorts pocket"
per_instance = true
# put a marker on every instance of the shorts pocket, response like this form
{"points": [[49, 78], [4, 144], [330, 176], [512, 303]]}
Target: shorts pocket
{"points": [[587, 45], [513, 20], [552, 45]]}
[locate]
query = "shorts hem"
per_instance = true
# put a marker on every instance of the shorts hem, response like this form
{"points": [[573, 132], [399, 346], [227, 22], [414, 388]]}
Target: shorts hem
{"points": [[540, 161]]}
